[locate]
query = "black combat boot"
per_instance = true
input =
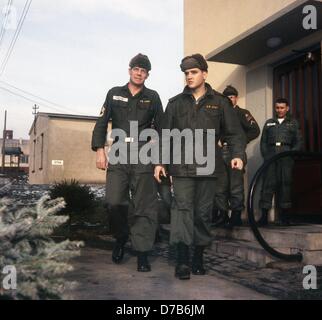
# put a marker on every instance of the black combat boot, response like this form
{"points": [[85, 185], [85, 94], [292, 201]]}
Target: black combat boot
{"points": [[182, 270], [143, 263], [235, 220], [221, 219], [197, 261], [118, 250], [283, 220], [263, 221]]}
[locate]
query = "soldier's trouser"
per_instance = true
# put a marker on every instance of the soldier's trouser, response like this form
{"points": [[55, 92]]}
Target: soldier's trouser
{"points": [[191, 210], [121, 179], [221, 191], [230, 190], [277, 180]]}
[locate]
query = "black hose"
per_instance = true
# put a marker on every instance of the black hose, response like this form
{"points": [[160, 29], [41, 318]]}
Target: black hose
{"points": [[250, 202]]}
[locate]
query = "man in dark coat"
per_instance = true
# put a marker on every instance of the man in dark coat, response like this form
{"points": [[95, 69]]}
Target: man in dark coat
{"points": [[198, 109], [230, 192]]}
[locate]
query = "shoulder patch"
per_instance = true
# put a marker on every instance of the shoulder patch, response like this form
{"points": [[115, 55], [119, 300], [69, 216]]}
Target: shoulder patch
{"points": [[102, 112]]}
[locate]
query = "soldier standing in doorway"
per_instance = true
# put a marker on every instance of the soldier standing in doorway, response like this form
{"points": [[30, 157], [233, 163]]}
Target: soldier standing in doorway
{"points": [[129, 103], [281, 133]]}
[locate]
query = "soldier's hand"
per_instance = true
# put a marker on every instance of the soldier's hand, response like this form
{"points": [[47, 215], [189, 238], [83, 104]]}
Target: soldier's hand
{"points": [[159, 171], [237, 163], [101, 159]]}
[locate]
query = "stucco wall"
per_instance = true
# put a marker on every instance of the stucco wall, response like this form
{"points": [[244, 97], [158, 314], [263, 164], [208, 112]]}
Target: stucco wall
{"points": [[70, 141], [208, 24], [36, 174]]}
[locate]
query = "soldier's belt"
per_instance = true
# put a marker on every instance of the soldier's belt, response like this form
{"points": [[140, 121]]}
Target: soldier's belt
{"points": [[279, 144]]}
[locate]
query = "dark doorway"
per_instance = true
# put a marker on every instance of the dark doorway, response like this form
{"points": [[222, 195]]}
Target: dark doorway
{"points": [[299, 80]]}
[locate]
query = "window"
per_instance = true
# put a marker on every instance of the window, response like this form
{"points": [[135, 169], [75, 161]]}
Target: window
{"points": [[24, 159], [41, 152], [34, 157]]}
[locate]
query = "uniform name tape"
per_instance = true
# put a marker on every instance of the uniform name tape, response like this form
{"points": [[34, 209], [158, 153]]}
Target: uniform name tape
{"points": [[119, 98]]}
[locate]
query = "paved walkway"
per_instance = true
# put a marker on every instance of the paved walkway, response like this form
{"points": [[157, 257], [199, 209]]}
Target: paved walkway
{"points": [[99, 278]]}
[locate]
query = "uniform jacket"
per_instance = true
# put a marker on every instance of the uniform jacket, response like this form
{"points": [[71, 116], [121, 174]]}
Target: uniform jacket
{"points": [[248, 123], [282, 137], [213, 111], [250, 128], [122, 107]]}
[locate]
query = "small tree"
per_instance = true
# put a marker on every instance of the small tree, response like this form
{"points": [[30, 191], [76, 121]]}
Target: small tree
{"points": [[78, 198], [25, 243]]}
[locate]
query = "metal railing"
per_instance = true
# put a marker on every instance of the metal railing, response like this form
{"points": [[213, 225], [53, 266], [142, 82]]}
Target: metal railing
{"points": [[250, 202]]}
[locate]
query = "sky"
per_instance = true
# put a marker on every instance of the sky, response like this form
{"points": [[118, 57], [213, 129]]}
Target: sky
{"points": [[70, 52]]}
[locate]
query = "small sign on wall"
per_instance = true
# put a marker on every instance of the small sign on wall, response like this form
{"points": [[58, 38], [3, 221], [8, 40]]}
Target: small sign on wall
{"points": [[57, 162]]}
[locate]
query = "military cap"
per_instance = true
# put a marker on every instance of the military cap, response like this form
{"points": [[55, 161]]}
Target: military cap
{"points": [[142, 61], [230, 91], [194, 61]]}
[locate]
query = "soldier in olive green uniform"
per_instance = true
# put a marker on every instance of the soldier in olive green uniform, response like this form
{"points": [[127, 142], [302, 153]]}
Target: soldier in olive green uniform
{"points": [[230, 187], [281, 133], [132, 102], [197, 107]]}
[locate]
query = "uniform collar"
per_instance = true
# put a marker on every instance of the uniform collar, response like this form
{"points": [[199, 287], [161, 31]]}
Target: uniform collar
{"points": [[286, 119], [209, 90], [126, 90]]}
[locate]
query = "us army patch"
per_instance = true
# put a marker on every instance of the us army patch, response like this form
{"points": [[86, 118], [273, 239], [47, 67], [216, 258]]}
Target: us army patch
{"points": [[119, 98], [102, 112], [249, 118]]}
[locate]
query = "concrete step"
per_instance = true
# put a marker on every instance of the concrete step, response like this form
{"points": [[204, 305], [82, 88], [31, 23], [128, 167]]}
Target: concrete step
{"points": [[302, 237], [241, 242], [253, 252]]}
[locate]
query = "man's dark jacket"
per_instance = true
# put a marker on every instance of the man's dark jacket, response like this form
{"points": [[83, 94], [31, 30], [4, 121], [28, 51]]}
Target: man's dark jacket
{"points": [[213, 111]]}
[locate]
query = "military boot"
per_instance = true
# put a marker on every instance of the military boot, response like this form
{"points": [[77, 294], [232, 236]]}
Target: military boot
{"points": [[221, 219], [143, 263], [197, 261], [283, 220], [263, 221], [182, 270], [235, 219], [118, 250]]}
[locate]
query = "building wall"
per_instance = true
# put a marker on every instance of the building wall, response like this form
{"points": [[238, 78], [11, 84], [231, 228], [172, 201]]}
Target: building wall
{"points": [[209, 24], [68, 141], [23, 144], [37, 168]]}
